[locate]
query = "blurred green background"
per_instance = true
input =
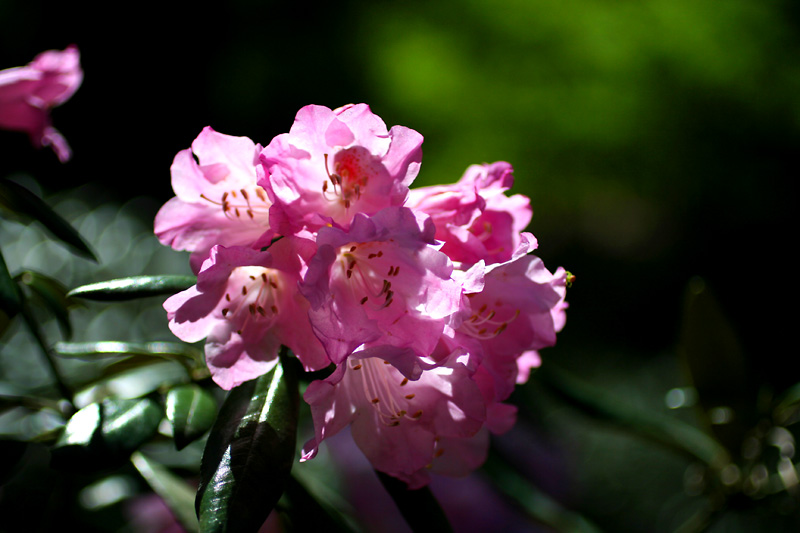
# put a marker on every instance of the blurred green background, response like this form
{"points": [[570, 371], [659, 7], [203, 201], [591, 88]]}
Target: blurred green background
{"points": [[657, 139]]}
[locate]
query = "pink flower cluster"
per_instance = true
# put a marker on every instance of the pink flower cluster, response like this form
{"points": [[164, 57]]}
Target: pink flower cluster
{"points": [[427, 302], [27, 94]]}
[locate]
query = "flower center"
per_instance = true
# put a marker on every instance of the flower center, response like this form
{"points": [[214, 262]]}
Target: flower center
{"points": [[362, 265], [384, 391], [349, 178], [253, 295], [250, 203]]}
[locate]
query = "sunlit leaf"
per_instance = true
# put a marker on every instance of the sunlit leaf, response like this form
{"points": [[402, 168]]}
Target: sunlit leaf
{"points": [[121, 289], [663, 429], [164, 350], [52, 293], [133, 362], [175, 492], [191, 411], [249, 453], [21, 201], [105, 434], [419, 507], [9, 293], [74, 447], [132, 379]]}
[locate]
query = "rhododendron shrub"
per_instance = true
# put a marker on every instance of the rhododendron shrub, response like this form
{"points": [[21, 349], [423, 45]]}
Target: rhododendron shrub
{"points": [[28, 93], [426, 304]]}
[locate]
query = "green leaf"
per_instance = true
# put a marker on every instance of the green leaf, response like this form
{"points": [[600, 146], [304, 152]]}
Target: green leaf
{"points": [[117, 290], [32, 403], [10, 301], [105, 434], [302, 511], [716, 362], [249, 453], [164, 350], [191, 411], [538, 504], [419, 507], [74, 447], [52, 293], [21, 201], [660, 428], [11, 451], [175, 492]]}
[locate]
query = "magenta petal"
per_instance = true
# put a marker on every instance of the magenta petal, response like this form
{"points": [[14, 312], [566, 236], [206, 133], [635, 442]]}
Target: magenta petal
{"points": [[27, 94]]}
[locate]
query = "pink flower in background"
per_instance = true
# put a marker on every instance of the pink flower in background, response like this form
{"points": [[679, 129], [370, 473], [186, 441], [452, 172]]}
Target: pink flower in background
{"points": [[381, 288], [246, 305], [27, 94], [398, 423], [217, 200], [474, 217], [334, 164]]}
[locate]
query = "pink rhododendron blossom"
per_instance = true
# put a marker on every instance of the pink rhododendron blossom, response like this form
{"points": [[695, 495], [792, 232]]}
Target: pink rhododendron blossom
{"points": [[27, 94], [217, 199], [383, 287], [246, 305], [474, 217], [428, 302], [398, 423], [335, 163], [519, 310]]}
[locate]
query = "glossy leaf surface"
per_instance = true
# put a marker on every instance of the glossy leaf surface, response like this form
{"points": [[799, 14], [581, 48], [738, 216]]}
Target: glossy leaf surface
{"points": [[191, 411], [117, 290], [90, 350], [249, 453], [105, 434]]}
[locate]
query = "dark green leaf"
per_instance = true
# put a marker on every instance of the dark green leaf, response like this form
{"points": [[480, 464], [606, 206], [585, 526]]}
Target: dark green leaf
{"points": [[29, 402], [117, 290], [191, 411], [105, 434], [419, 507], [52, 294], [538, 504], [175, 492], [11, 451], [10, 301], [302, 511], [36, 331], [658, 427], [249, 453], [716, 362], [21, 201]]}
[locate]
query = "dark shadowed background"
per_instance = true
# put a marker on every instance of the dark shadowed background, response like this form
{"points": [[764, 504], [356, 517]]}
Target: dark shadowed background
{"points": [[658, 141]]}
